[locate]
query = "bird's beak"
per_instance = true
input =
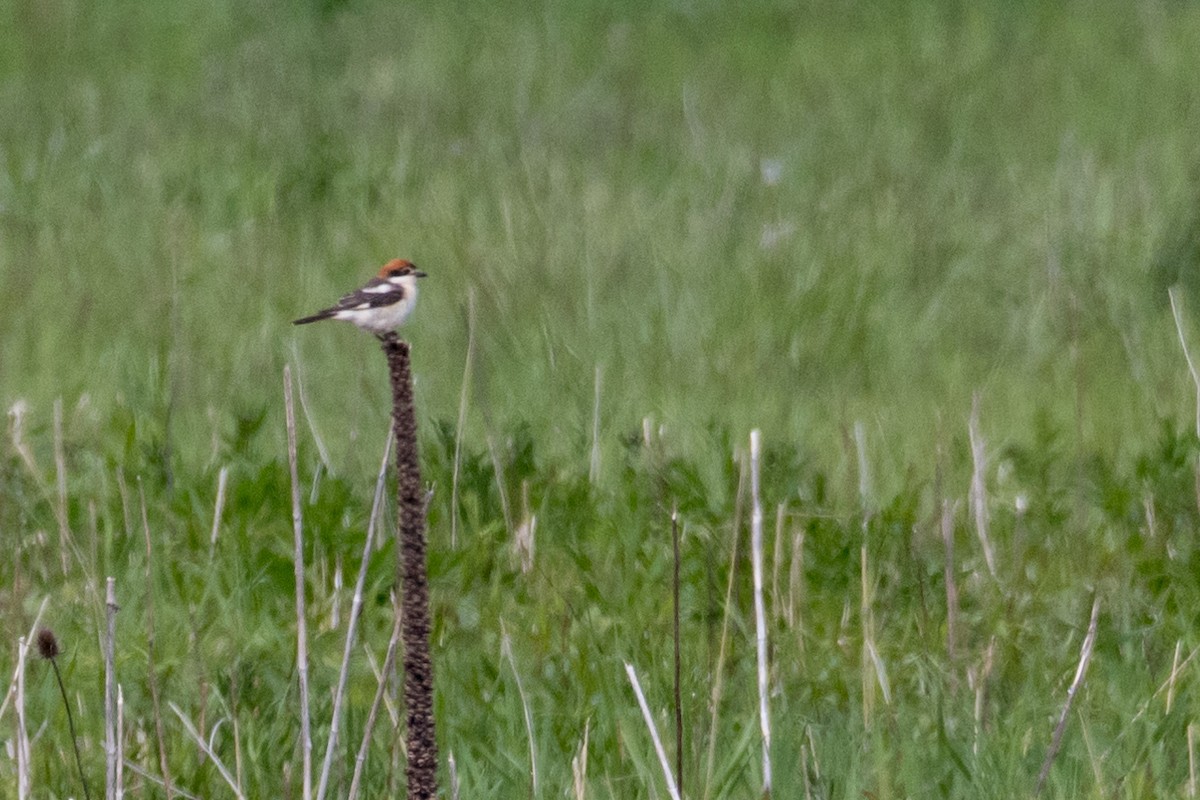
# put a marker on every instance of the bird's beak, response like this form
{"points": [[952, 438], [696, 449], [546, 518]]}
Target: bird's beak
{"points": [[418, 274]]}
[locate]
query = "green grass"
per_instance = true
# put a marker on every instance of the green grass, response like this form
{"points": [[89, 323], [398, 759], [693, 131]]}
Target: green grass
{"points": [[788, 217]]}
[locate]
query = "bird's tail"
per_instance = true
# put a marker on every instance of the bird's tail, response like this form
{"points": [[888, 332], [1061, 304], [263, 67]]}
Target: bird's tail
{"points": [[317, 317]]}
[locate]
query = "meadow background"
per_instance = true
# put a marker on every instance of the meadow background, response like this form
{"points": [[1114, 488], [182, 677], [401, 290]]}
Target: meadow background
{"points": [[661, 225]]}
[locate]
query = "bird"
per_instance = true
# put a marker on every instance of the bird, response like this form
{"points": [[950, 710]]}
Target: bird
{"points": [[382, 305]]}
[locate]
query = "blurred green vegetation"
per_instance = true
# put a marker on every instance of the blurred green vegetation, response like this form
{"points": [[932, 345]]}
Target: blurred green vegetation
{"points": [[790, 216]]}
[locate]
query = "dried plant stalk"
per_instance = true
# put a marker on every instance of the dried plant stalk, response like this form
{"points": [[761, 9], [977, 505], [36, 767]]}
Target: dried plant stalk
{"points": [[421, 769]]}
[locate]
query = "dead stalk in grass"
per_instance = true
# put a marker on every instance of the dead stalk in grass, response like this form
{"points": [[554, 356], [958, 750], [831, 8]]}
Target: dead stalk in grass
{"points": [[218, 510], [1177, 313], [676, 648], [672, 789], [506, 651], [24, 783], [947, 525], [760, 612], [12, 684], [978, 485], [110, 689], [1174, 673], [1085, 657], [298, 564], [461, 423], [579, 764], [594, 462], [356, 606], [151, 672], [208, 751], [65, 543], [389, 661], [719, 671]]}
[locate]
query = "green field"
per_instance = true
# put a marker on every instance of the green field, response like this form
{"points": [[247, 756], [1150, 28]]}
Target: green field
{"points": [[659, 226]]}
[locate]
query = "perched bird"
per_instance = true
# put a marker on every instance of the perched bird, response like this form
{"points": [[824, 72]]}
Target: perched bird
{"points": [[382, 305]]}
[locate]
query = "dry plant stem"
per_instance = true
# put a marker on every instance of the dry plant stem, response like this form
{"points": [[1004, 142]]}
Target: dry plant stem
{"points": [[23, 782], [356, 605], [676, 646], [1085, 657], [60, 475], [151, 673], [1191, 745], [760, 610], [110, 689], [719, 672], [12, 684], [594, 463], [389, 662], [298, 560], [120, 793], [778, 610], [421, 768], [157, 781], [506, 651], [978, 488], [208, 751], [218, 509], [462, 416], [1174, 672], [672, 789], [947, 525], [1187, 355], [579, 764]]}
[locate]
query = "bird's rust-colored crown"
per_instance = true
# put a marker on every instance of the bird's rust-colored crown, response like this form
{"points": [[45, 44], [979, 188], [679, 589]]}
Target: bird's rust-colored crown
{"points": [[395, 267]]}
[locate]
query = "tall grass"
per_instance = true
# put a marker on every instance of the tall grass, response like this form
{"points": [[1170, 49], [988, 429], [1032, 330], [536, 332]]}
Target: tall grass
{"points": [[797, 218]]}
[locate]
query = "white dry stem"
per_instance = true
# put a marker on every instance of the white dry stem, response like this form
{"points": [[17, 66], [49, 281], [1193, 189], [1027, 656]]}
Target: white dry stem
{"points": [[453, 765], [60, 479], [776, 561], [298, 562], [978, 487], [760, 613], [218, 510], [119, 792], [524, 537], [867, 618], [1191, 745], [1085, 657], [389, 662], [322, 451], [110, 689], [461, 424], [977, 679], [1187, 355], [719, 673], [23, 781], [157, 781], [16, 432], [356, 606], [796, 585], [208, 751], [1172, 676], [594, 464], [579, 764], [12, 684], [865, 492], [672, 789], [389, 706], [947, 524], [506, 651], [498, 469]]}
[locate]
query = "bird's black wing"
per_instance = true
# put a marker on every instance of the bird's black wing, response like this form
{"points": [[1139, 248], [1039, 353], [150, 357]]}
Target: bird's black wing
{"points": [[375, 294]]}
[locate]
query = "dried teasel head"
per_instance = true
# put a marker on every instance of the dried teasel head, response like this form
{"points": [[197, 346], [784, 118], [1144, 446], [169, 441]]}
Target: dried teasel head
{"points": [[47, 644]]}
